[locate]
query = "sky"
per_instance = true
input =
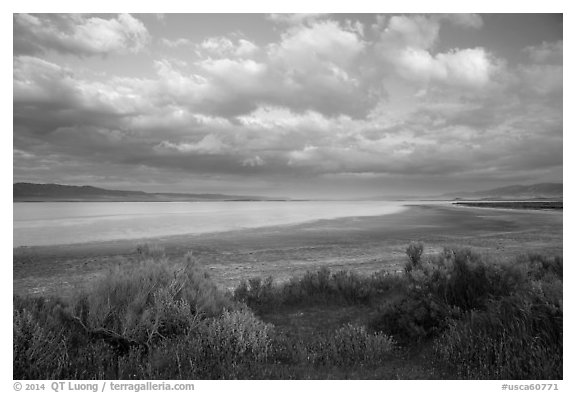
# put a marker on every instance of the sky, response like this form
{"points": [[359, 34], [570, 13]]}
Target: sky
{"points": [[288, 105]]}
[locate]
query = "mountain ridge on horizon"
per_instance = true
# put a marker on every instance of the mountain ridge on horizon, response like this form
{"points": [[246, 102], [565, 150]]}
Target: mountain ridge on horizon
{"points": [[544, 191], [53, 192], [531, 191]]}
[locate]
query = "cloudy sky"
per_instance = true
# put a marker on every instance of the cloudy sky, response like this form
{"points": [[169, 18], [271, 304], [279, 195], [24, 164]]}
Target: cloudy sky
{"points": [[288, 105]]}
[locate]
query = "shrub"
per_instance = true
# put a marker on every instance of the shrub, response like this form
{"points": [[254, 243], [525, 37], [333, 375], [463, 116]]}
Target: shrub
{"points": [[462, 278], [448, 285], [227, 346], [347, 346], [47, 343], [38, 352], [150, 251], [541, 267], [352, 344], [255, 292], [322, 286], [150, 301], [518, 337], [236, 335], [414, 252], [412, 319]]}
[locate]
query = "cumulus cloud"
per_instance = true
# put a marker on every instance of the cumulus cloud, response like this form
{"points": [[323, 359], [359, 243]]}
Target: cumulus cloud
{"points": [[312, 67], [77, 34], [419, 32], [42, 83], [467, 67], [323, 41], [408, 42]]}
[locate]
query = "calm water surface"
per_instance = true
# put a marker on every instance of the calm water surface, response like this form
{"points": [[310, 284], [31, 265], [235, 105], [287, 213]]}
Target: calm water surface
{"points": [[50, 223]]}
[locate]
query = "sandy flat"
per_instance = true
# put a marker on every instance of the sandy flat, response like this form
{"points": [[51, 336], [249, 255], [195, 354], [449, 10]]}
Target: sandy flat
{"points": [[364, 244]]}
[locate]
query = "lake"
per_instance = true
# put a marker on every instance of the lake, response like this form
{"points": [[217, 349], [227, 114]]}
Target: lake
{"points": [[51, 223]]}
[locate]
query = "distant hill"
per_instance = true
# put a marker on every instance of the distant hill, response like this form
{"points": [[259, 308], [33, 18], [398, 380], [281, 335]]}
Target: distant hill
{"points": [[530, 192], [30, 192]]}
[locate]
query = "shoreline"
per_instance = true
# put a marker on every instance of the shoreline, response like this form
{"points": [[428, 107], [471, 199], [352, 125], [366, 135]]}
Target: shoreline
{"points": [[115, 225], [361, 244]]}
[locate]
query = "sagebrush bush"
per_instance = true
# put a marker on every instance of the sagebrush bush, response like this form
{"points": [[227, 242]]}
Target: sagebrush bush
{"points": [[541, 267], [446, 286], [48, 343], [237, 335], [411, 319], [346, 346], [462, 278], [226, 347], [38, 351], [150, 300], [322, 286], [353, 344], [150, 251], [519, 337], [414, 253]]}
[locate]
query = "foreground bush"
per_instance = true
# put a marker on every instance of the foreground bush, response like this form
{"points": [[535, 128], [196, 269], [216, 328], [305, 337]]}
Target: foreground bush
{"points": [[518, 338], [488, 320], [48, 344], [150, 300], [445, 287], [38, 350], [348, 346], [225, 347], [320, 287]]}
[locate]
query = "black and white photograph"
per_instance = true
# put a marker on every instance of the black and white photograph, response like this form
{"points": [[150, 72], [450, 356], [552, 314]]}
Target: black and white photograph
{"points": [[287, 196]]}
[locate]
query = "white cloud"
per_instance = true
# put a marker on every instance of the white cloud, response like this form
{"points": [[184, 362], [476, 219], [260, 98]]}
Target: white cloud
{"points": [[418, 32], [39, 81], [218, 45], [467, 67], [246, 48], [303, 47], [210, 144], [78, 34], [407, 42], [233, 70], [273, 118]]}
